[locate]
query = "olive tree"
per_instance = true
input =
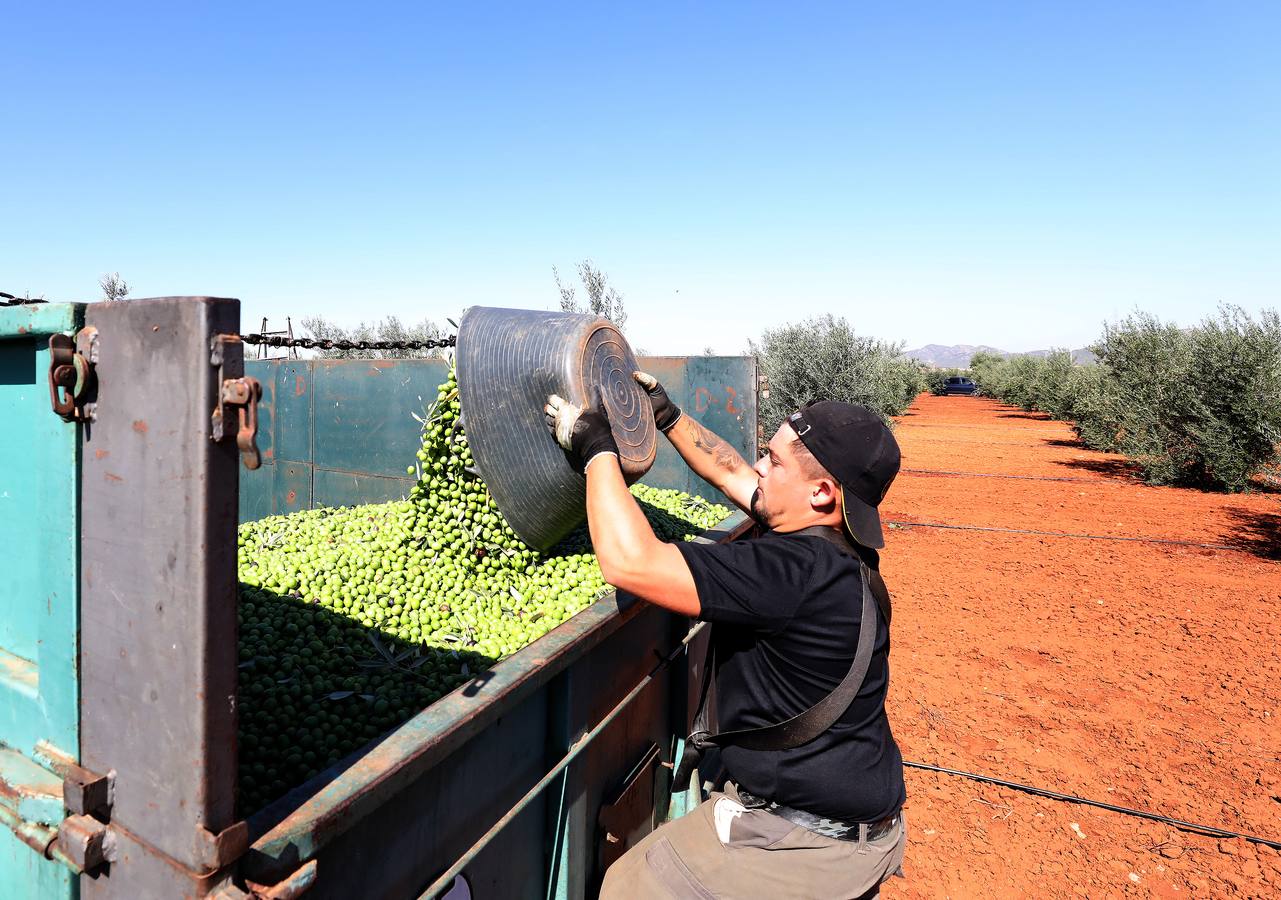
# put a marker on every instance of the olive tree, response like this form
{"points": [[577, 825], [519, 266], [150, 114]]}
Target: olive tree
{"points": [[601, 299], [823, 359]]}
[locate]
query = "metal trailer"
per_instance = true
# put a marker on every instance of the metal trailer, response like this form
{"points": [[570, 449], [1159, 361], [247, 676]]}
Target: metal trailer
{"points": [[118, 639]]}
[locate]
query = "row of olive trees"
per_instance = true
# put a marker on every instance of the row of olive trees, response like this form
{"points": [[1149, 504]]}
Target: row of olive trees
{"points": [[1197, 406]]}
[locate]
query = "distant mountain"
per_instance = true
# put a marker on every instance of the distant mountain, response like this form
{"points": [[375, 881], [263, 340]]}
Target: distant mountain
{"points": [[1081, 356], [957, 356]]}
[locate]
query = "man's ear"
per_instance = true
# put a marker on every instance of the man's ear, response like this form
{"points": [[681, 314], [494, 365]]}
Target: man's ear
{"points": [[824, 495]]}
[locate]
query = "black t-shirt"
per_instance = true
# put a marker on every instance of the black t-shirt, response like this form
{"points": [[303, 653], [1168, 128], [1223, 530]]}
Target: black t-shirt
{"points": [[786, 609]]}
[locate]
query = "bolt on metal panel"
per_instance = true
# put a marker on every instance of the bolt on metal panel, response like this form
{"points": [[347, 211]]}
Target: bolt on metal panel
{"points": [[158, 585]]}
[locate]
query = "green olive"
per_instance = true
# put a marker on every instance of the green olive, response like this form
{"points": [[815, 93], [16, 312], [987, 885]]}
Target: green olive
{"points": [[353, 619]]}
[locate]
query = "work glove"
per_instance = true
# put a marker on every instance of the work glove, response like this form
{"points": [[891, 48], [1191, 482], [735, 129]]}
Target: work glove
{"points": [[666, 413], [582, 433]]}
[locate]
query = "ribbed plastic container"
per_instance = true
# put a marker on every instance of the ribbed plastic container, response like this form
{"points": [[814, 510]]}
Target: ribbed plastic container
{"points": [[509, 361]]}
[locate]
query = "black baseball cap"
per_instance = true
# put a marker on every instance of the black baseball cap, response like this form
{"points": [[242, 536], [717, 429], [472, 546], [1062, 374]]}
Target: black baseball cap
{"points": [[853, 444]]}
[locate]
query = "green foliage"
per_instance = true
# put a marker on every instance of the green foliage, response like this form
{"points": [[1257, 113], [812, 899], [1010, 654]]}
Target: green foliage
{"points": [[1092, 407], [1198, 406], [1236, 362], [822, 358], [601, 297], [990, 372]]}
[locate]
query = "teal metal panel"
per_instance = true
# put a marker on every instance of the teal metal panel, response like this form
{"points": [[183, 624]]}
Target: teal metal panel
{"points": [[292, 489], [720, 393], [257, 488], [267, 375], [256, 492], [333, 488], [364, 412], [26, 875], [39, 596], [291, 411], [342, 432]]}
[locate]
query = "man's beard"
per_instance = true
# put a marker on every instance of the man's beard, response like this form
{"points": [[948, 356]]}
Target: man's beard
{"points": [[759, 512]]}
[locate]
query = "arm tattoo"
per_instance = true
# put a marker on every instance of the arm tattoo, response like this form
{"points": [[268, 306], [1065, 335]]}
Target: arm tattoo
{"points": [[722, 454]]}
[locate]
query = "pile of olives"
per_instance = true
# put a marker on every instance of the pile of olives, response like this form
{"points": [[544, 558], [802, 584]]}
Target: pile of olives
{"points": [[354, 619]]}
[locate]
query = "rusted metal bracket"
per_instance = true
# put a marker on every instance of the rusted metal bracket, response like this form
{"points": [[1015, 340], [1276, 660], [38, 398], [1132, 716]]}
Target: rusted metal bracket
{"points": [[291, 887], [225, 847], [71, 374], [762, 393], [81, 843], [86, 842], [241, 394], [83, 792]]}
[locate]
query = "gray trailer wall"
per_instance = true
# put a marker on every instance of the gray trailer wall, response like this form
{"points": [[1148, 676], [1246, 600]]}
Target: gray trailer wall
{"points": [[343, 432]]}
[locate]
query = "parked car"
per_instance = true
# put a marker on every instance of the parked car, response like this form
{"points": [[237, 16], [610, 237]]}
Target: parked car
{"points": [[959, 384]]}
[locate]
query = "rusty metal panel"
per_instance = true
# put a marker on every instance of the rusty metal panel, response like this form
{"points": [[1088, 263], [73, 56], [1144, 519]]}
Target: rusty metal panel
{"points": [[158, 583], [431, 821], [364, 413], [292, 489], [291, 411], [720, 393], [595, 684]]}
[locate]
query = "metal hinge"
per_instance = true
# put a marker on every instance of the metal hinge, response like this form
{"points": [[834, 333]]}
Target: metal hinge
{"points": [[72, 383], [242, 394], [762, 394], [82, 841]]}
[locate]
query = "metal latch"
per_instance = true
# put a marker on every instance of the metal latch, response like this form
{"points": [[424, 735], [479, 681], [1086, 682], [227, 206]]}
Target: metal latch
{"points": [[72, 384], [35, 793], [242, 394]]}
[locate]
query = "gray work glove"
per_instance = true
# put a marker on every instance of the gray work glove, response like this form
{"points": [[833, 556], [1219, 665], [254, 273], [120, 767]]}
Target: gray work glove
{"points": [[583, 434], [666, 413]]}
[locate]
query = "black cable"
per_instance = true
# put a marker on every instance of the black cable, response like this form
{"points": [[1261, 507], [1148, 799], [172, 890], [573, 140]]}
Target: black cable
{"points": [[1112, 807], [1021, 477], [1062, 534]]}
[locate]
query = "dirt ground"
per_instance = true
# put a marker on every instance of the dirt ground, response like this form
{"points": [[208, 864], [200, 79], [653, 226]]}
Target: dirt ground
{"points": [[1128, 651]]}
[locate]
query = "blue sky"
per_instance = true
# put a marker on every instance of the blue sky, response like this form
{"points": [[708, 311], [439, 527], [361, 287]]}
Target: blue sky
{"points": [[1010, 174]]}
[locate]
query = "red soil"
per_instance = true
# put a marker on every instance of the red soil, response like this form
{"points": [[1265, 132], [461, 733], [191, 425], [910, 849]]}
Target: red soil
{"points": [[1137, 673]]}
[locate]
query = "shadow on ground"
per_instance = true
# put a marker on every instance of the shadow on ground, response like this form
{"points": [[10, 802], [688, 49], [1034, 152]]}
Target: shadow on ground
{"points": [[1036, 416], [1257, 533], [1121, 469], [1112, 468]]}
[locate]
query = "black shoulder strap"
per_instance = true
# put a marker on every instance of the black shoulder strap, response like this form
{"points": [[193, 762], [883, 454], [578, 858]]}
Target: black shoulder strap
{"points": [[803, 727]]}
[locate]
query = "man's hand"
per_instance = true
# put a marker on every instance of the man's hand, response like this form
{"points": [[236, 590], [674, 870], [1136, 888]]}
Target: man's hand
{"points": [[584, 433], [666, 413]]}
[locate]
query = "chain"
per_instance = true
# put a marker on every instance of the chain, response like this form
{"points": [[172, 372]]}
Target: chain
{"points": [[272, 340], [10, 300]]}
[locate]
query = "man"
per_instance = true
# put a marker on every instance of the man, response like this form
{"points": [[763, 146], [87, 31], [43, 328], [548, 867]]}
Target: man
{"points": [[818, 820]]}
